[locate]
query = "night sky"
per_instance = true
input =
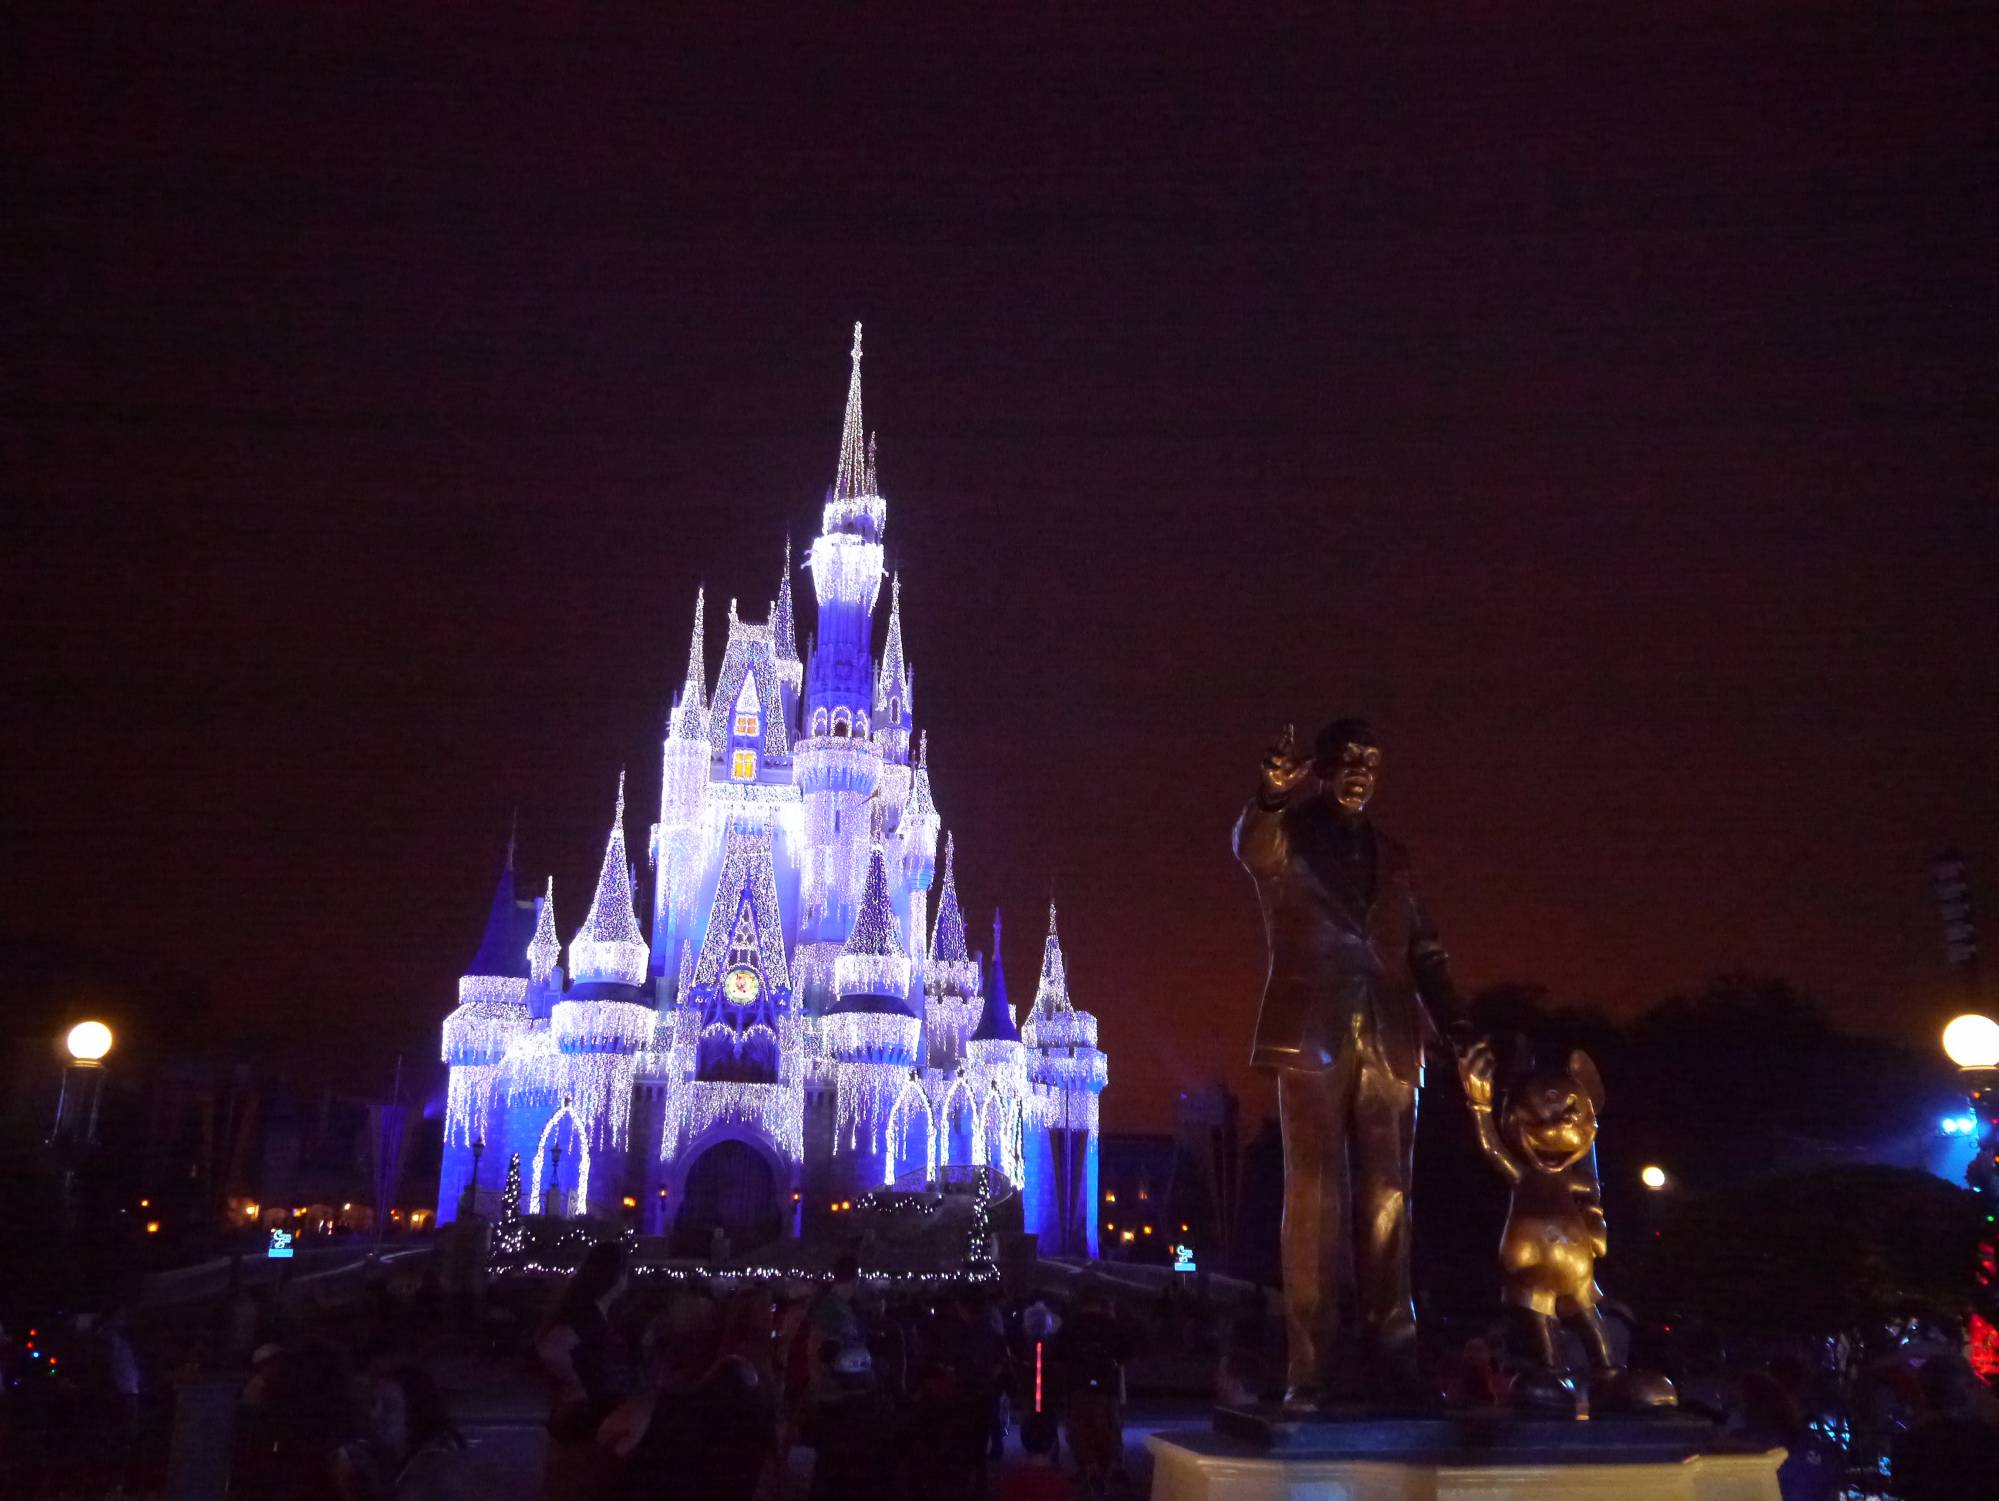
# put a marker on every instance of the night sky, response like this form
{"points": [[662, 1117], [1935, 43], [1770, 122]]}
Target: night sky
{"points": [[1602, 401]]}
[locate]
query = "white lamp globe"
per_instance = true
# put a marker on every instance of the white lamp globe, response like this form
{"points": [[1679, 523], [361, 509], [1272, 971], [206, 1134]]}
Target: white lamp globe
{"points": [[1972, 1041], [88, 1042], [1652, 1176]]}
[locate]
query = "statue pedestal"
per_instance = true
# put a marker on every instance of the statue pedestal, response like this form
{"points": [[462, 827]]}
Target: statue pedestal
{"points": [[1474, 1457]]}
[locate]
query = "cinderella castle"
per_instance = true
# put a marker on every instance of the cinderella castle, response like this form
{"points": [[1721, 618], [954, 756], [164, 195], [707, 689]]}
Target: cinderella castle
{"points": [[786, 1027]]}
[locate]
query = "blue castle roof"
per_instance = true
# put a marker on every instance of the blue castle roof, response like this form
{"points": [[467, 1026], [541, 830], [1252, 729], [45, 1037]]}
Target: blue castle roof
{"points": [[503, 947], [996, 1019]]}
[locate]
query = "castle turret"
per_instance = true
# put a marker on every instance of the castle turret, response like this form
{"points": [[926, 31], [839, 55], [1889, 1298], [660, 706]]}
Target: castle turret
{"points": [[846, 564], [1067, 1072], [891, 709], [491, 1013], [544, 954], [605, 1018], [950, 977], [871, 1033], [997, 1060], [678, 859], [838, 763]]}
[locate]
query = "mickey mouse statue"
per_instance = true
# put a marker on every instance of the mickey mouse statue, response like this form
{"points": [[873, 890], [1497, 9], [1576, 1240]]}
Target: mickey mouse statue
{"points": [[1541, 1136]]}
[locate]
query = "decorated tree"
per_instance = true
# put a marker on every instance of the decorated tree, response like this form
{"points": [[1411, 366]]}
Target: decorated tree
{"points": [[978, 1236], [510, 1197]]}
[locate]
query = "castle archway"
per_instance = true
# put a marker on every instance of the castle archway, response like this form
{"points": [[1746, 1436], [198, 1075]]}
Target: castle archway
{"points": [[731, 1186]]}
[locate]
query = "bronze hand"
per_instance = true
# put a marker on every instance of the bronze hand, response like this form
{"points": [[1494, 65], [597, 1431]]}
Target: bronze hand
{"points": [[1476, 1066], [1285, 765]]}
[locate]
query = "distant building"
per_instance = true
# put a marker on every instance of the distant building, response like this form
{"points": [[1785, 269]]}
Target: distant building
{"points": [[1159, 1189]]}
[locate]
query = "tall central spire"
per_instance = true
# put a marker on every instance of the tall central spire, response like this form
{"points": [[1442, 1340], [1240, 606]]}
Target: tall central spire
{"points": [[853, 481]]}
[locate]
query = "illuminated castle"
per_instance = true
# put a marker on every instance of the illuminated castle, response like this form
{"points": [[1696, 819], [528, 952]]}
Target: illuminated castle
{"points": [[797, 1030]]}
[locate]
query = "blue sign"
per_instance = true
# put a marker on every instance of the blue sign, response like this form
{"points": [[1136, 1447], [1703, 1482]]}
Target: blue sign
{"points": [[1183, 1258], [281, 1244]]}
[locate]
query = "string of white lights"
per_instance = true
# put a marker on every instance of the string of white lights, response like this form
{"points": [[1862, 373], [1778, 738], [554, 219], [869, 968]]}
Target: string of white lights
{"points": [[468, 1102], [602, 1026], [865, 1093], [609, 949], [544, 949], [903, 1129], [774, 1110]]}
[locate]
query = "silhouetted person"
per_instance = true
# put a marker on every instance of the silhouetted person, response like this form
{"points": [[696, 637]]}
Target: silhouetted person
{"points": [[706, 1425], [1812, 1470], [576, 1351], [1952, 1452], [1089, 1355]]}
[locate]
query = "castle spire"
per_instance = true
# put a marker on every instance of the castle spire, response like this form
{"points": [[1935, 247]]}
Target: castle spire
{"points": [[544, 948], [877, 933], [949, 944], [783, 629], [1052, 994], [996, 1018], [694, 693], [920, 811], [873, 962], [893, 684], [854, 478], [609, 947], [494, 957]]}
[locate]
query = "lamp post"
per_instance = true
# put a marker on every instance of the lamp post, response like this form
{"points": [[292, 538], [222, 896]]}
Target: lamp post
{"points": [[472, 1188], [1971, 1042], [88, 1044]]}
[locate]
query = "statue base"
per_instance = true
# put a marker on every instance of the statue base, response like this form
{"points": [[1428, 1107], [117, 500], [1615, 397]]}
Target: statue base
{"points": [[1360, 1454]]}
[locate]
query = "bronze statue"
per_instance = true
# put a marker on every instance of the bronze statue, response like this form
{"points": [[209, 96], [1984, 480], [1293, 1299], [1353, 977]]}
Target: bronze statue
{"points": [[1541, 1135], [1358, 986]]}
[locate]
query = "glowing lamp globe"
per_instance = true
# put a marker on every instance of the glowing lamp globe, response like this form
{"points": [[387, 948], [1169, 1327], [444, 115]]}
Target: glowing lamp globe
{"points": [[88, 1042], [1972, 1041], [1652, 1176]]}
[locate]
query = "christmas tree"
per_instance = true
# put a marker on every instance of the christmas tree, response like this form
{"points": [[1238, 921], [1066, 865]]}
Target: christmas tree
{"points": [[510, 1197], [978, 1242]]}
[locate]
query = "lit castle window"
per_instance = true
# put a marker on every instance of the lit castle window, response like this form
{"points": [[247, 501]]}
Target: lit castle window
{"points": [[743, 766]]}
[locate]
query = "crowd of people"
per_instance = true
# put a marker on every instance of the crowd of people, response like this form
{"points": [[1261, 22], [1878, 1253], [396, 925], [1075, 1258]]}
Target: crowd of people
{"points": [[843, 1388], [911, 1394]]}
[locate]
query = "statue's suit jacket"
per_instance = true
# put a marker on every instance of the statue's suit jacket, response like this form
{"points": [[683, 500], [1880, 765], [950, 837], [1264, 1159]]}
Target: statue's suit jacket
{"points": [[1346, 964]]}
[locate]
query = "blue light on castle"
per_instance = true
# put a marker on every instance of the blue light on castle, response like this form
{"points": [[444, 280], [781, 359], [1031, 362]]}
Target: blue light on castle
{"points": [[797, 1029]]}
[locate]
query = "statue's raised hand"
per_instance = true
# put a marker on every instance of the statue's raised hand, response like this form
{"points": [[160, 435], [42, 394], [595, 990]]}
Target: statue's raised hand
{"points": [[1285, 765], [1476, 1067]]}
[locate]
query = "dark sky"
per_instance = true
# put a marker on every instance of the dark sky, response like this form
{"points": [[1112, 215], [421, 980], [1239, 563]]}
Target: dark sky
{"points": [[1603, 401]]}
